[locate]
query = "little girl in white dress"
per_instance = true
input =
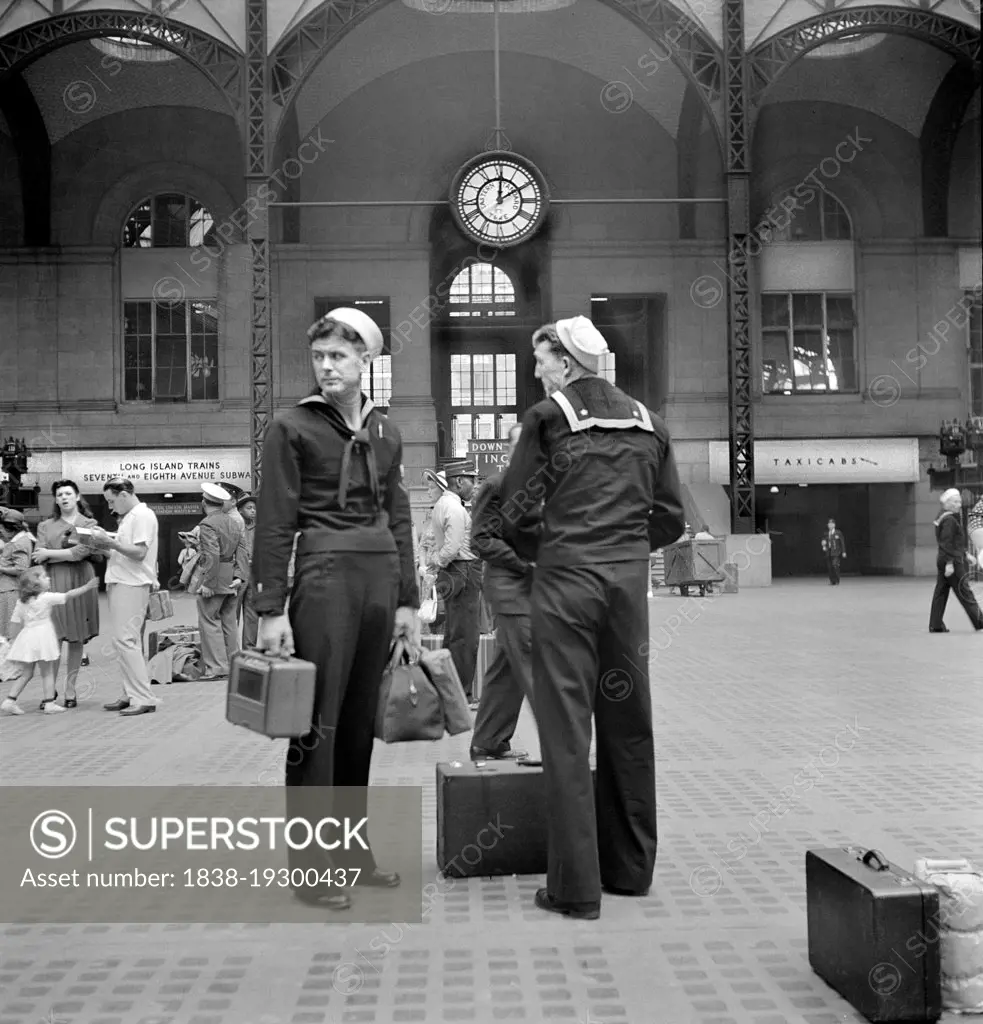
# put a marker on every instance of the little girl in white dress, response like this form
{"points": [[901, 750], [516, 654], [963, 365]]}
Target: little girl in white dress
{"points": [[36, 645]]}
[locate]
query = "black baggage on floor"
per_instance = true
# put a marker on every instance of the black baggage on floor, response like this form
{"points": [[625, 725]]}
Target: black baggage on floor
{"points": [[873, 934], [491, 819]]}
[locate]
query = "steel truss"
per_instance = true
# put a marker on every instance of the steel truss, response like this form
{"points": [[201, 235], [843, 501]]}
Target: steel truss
{"points": [[257, 172], [685, 41], [220, 63], [774, 56], [738, 221]]}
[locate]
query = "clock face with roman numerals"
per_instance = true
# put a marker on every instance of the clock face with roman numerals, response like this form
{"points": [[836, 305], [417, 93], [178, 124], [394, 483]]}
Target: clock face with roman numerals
{"points": [[499, 199]]}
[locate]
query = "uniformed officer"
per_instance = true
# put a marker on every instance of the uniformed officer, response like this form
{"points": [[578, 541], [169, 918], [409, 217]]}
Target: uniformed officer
{"points": [[219, 538], [507, 586], [603, 467], [332, 479], [834, 546]]}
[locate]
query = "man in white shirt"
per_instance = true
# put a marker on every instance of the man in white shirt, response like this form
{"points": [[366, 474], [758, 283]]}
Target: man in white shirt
{"points": [[458, 571], [131, 573]]}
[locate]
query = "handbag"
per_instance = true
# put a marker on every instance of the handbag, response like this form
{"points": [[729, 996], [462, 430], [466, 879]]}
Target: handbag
{"points": [[160, 606], [428, 610], [439, 665], [410, 707]]}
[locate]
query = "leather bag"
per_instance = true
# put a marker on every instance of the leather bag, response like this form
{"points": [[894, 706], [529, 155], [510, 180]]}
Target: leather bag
{"points": [[410, 707]]}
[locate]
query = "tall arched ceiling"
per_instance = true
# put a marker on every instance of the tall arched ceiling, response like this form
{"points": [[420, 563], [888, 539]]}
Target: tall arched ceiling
{"points": [[913, 68], [77, 84], [397, 36], [766, 18], [225, 20]]}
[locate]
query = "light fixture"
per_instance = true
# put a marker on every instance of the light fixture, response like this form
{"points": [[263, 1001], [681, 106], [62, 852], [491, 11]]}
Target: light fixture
{"points": [[803, 485], [774, 490], [168, 495]]}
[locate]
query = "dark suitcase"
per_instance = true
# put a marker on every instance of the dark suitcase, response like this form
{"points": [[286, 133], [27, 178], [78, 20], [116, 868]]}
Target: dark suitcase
{"points": [[159, 639], [491, 819], [873, 934]]}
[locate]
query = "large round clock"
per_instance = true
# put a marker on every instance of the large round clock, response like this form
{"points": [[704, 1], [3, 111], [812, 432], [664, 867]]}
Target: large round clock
{"points": [[499, 199]]}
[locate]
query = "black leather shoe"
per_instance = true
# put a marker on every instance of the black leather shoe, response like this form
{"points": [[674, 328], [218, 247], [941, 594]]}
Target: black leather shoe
{"points": [[580, 911], [941, 629], [117, 705], [140, 709], [379, 879], [477, 754], [615, 891], [328, 902], [71, 702]]}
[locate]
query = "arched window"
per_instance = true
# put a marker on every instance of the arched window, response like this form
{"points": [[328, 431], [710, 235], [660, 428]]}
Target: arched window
{"points": [[482, 290], [170, 220], [808, 312]]}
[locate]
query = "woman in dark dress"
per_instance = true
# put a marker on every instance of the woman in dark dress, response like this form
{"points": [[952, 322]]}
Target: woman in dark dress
{"points": [[69, 565]]}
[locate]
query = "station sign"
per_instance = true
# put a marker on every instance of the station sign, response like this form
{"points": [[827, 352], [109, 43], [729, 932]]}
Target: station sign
{"points": [[156, 469], [491, 455]]}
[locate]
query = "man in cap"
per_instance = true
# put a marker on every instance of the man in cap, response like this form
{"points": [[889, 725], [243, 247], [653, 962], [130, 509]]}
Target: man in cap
{"points": [[834, 547], [953, 565], [507, 585], [246, 610], [332, 471], [602, 465], [458, 570], [219, 538]]}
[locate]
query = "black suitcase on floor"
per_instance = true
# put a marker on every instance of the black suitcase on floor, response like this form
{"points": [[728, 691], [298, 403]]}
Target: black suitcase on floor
{"points": [[491, 819], [874, 934]]}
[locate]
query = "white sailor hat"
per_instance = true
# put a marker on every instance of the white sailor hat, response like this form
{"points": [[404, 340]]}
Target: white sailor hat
{"points": [[361, 323], [583, 341], [215, 494], [435, 478]]}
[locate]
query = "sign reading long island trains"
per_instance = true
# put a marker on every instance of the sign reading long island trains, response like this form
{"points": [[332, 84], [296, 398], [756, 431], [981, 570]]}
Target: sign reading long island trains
{"points": [[174, 466], [491, 456]]}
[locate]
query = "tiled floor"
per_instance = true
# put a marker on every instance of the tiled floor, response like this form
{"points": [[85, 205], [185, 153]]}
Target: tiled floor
{"points": [[798, 716]]}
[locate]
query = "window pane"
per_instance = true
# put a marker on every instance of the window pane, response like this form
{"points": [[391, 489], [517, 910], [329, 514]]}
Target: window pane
{"points": [[505, 422], [461, 432], [775, 375], [774, 310], [460, 380], [204, 351], [836, 223], [484, 425], [484, 379], [606, 367], [170, 318], [137, 385], [136, 231], [804, 222], [839, 311], [482, 290], [842, 366], [809, 363], [202, 227], [382, 381], [807, 310], [170, 221], [505, 379]]}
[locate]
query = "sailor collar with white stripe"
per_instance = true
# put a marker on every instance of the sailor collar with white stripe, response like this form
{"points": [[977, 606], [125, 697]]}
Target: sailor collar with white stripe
{"points": [[368, 407], [580, 419]]}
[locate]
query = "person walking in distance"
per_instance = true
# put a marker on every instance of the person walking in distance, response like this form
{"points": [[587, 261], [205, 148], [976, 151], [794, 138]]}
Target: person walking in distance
{"points": [[219, 539], [952, 565], [246, 611], [131, 572], [458, 571], [603, 467], [507, 586], [332, 470], [835, 547]]}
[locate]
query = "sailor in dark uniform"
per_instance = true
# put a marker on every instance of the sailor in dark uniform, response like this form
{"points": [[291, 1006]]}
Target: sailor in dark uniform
{"points": [[332, 475], [953, 565], [603, 466]]}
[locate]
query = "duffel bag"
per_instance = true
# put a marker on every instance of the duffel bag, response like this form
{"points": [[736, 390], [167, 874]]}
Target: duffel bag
{"points": [[410, 707]]}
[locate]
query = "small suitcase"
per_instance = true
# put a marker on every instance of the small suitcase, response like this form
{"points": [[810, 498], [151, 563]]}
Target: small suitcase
{"points": [[271, 696], [158, 639], [491, 819], [873, 934], [486, 651]]}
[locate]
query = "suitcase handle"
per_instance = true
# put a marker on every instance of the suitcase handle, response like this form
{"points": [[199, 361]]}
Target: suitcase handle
{"points": [[874, 855]]}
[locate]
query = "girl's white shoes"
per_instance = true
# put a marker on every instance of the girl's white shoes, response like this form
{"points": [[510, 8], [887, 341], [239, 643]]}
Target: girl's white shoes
{"points": [[11, 707], [51, 708]]}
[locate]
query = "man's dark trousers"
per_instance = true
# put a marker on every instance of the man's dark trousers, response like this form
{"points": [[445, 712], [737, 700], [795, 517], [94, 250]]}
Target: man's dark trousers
{"points": [[591, 655], [958, 583], [509, 677], [833, 565], [460, 586], [342, 610]]}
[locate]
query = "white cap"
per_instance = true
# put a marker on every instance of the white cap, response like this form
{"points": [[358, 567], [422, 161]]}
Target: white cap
{"points": [[952, 493], [363, 325], [436, 478], [219, 495], [583, 341]]}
